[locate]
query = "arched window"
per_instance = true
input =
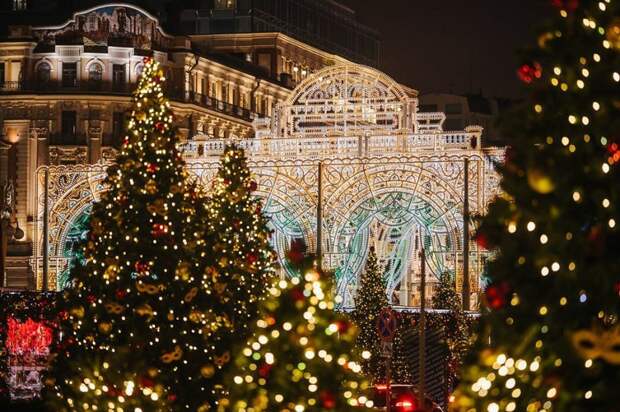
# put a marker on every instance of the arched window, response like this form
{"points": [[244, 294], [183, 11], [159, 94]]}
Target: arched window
{"points": [[95, 72], [139, 69], [43, 72]]}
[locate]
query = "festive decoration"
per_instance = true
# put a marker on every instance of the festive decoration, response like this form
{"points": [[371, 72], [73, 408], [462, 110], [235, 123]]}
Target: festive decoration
{"points": [[548, 339], [528, 72], [370, 300], [456, 328], [242, 260], [27, 325], [301, 356], [135, 297]]}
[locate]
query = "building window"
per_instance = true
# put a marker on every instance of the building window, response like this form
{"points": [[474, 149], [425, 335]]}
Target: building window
{"points": [[95, 72], [20, 5], [224, 4], [118, 128], [453, 124], [69, 74], [119, 76], [68, 127], [139, 69], [454, 108], [43, 73]]}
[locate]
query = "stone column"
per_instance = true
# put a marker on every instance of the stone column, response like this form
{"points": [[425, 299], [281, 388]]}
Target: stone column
{"points": [[94, 138]]}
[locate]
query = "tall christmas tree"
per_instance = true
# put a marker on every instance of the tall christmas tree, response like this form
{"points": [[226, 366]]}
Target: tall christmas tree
{"points": [[301, 356], [455, 325], [242, 268], [139, 313], [370, 300], [550, 338]]}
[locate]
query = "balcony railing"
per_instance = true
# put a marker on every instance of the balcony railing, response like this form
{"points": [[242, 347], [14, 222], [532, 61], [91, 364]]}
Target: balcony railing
{"points": [[96, 87], [347, 146]]}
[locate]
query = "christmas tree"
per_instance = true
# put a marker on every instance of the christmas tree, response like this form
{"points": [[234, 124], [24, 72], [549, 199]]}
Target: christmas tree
{"points": [[139, 309], [301, 356], [455, 325], [242, 268], [370, 300], [549, 339]]}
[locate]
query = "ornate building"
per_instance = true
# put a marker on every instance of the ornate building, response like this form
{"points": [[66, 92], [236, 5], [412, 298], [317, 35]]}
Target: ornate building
{"points": [[342, 156]]}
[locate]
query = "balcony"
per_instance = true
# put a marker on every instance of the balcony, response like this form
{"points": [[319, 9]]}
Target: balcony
{"points": [[124, 89]]}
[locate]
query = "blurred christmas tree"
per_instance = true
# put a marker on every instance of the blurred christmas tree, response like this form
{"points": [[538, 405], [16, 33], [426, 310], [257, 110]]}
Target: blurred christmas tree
{"points": [[370, 300], [140, 301], [550, 338], [302, 355], [454, 325], [242, 269]]}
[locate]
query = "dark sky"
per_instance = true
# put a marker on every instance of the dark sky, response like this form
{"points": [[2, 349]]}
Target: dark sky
{"points": [[454, 46]]}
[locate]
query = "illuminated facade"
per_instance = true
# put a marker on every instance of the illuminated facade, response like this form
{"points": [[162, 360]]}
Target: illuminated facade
{"points": [[343, 160]]}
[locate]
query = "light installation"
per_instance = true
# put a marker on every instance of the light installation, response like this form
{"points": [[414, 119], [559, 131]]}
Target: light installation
{"points": [[349, 151]]}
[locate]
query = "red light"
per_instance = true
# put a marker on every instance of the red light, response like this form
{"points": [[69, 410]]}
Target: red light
{"points": [[405, 404]]}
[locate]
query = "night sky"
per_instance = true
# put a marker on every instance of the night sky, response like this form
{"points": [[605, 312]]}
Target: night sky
{"points": [[456, 46]]}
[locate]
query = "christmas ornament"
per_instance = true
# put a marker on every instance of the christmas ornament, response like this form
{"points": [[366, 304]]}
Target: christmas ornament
{"points": [[151, 187], [496, 295], [183, 270], [191, 294], [173, 356], [539, 181], [114, 308], [149, 288], [207, 371], [159, 230], [613, 33], [120, 294], [528, 72], [141, 267], [482, 240], [598, 343], [222, 360], [253, 186], [152, 168], [105, 327], [327, 400]]}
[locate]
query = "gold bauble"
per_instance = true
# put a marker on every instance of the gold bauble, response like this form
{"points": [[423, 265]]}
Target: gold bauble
{"points": [[613, 33], [105, 327], [151, 187], [207, 371], [539, 181]]}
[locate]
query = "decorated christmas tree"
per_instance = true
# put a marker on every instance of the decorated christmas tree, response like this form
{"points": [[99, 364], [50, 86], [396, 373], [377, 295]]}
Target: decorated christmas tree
{"points": [[301, 356], [550, 337], [454, 324], [139, 310], [370, 300]]}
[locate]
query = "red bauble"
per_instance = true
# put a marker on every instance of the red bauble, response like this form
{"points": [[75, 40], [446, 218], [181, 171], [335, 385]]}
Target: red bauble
{"points": [[251, 258], [120, 294], [496, 295], [141, 267], [159, 126], [296, 252], [146, 382], [147, 60], [253, 186], [236, 223], [159, 230], [91, 298], [152, 168], [328, 399], [63, 315], [482, 240], [264, 370], [172, 397], [568, 5], [297, 294], [227, 182], [528, 72], [343, 326], [617, 288]]}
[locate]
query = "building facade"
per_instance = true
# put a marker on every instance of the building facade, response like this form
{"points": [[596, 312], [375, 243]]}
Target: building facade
{"points": [[343, 156]]}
